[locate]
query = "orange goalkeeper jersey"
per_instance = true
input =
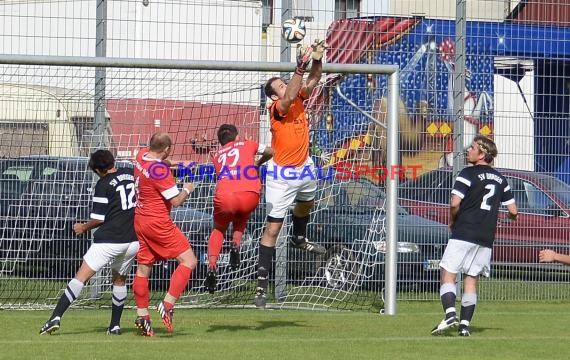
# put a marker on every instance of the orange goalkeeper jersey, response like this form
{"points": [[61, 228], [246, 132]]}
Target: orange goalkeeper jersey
{"points": [[290, 134]]}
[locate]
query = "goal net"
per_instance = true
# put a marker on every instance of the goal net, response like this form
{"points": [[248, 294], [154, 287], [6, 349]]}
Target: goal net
{"points": [[49, 129]]}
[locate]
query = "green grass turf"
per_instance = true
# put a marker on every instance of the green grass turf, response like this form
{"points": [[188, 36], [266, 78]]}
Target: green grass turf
{"points": [[501, 330]]}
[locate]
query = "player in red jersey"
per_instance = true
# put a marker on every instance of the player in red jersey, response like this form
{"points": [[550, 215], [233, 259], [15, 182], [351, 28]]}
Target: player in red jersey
{"points": [[237, 194], [160, 239]]}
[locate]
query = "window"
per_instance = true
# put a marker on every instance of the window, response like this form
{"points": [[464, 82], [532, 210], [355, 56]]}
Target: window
{"points": [[12, 180], [362, 196], [48, 171], [441, 192], [434, 186], [303, 9], [22, 173], [346, 9], [519, 193], [538, 201], [267, 12]]}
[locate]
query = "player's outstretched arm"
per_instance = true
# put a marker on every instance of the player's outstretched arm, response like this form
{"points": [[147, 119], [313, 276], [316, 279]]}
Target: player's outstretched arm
{"points": [[319, 47], [546, 256], [265, 156], [294, 85]]}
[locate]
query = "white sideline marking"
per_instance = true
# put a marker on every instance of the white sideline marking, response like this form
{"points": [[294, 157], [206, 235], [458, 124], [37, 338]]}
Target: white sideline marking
{"points": [[71, 339]]}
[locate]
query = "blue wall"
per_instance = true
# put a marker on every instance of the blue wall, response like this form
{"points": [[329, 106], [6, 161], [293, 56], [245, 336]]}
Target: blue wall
{"points": [[549, 47]]}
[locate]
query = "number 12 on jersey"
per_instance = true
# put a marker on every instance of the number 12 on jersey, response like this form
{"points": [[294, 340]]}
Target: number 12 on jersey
{"points": [[127, 194]]}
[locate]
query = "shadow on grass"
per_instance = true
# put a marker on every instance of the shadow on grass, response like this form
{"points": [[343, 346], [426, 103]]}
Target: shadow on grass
{"points": [[482, 329], [262, 325], [475, 330], [95, 330], [125, 331]]}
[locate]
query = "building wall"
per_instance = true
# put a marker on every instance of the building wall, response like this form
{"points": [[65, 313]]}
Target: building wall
{"points": [[513, 123], [552, 12], [492, 10], [200, 30]]}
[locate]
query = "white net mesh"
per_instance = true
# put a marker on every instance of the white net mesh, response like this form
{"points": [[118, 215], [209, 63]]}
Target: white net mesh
{"points": [[46, 174]]}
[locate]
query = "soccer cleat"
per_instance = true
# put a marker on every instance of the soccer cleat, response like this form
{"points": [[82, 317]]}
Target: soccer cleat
{"points": [[260, 299], [235, 258], [444, 325], [115, 330], [50, 326], [464, 330], [307, 245], [166, 316], [211, 281], [144, 325]]}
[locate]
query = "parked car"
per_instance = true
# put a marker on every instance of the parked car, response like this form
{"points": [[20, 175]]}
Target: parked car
{"points": [[543, 221], [41, 197], [349, 220]]}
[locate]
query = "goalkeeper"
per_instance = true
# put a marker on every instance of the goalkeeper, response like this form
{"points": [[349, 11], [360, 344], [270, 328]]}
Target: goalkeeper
{"points": [[290, 140]]}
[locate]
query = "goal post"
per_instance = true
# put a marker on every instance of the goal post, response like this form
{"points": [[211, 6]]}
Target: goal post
{"points": [[146, 88]]}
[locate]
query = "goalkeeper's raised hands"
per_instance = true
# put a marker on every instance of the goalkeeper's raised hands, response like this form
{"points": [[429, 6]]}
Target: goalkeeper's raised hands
{"points": [[303, 58], [319, 47]]}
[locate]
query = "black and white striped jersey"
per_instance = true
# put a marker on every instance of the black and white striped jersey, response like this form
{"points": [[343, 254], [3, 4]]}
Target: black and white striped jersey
{"points": [[114, 203], [482, 190]]}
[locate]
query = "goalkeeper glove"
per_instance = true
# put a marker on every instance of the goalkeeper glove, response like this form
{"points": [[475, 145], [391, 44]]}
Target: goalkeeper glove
{"points": [[303, 58], [319, 47]]}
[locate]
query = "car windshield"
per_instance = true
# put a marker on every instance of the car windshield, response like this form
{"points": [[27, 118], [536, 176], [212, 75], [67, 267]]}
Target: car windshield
{"points": [[561, 189], [434, 186], [361, 196]]}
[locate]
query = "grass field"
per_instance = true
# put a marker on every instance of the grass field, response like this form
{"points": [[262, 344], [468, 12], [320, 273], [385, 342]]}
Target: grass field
{"points": [[501, 330]]}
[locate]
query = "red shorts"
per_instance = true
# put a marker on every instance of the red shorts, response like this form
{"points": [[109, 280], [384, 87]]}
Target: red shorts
{"points": [[159, 240], [234, 208]]}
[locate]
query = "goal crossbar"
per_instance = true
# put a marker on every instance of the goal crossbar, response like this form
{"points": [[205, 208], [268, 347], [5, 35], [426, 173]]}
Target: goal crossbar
{"points": [[189, 64]]}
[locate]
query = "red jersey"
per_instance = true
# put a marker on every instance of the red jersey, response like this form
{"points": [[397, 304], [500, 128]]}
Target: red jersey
{"points": [[154, 186], [235, 167], [290, 134]]}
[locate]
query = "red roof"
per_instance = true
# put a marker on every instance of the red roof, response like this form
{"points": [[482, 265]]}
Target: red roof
{"points": [[348, 38], [192, 125], [551, 12]]}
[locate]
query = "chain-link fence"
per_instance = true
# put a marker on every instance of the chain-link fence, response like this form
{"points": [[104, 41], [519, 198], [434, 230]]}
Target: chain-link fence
{"points": [[495, 67]]}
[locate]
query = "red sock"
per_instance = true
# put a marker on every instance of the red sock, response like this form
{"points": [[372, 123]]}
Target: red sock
{"points": [[239, 227], [212, 263], [179, 280], [236, 238], [140, 290], [214, 247]]}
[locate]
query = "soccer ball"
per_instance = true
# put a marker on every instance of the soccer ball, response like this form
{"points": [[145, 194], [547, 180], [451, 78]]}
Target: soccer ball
{"points": [[293, 30]]}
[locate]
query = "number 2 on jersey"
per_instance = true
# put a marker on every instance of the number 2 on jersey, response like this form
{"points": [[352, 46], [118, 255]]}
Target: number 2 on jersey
{"points": [[487, 196], [127, 199], [233, 153]]}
